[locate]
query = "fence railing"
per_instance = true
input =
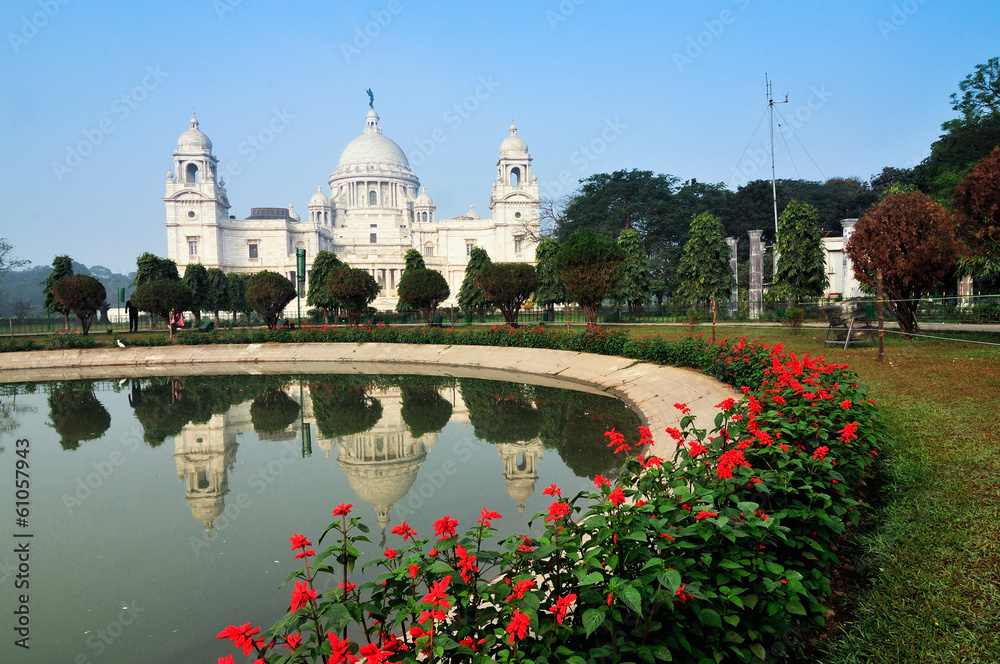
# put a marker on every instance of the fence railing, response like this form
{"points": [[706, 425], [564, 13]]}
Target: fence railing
{"points": [[944, 309]]}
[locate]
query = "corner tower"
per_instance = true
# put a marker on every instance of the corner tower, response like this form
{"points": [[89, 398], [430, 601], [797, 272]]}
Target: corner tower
{"points": [[196, 203], [514, 201]]}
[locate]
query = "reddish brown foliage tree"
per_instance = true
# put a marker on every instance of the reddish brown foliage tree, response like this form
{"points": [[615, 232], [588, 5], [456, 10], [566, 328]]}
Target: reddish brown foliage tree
{"points": [[977, 213], [508, 286], [81, 294], [911, 238]]}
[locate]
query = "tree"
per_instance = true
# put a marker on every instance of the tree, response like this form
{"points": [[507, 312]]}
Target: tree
{"points": [[353, 288], [62, 266], [802, 257], [269, 293], [470, 295], [8, 262], [551, 290], [21, 309], [976, 205], [160, 297], [196, 279], [633, 289], [703, 273], [591, 267], [423, 290], [319, 294], [413, 260], [272, 411], [911, 239], [150, 267], [77, 414], [508, 286], [216, 292], [81, 294], [981, 92], [237, 290]]}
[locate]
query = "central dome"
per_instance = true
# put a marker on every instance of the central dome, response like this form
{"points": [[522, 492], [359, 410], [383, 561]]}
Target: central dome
{"points": [[372, 148]]}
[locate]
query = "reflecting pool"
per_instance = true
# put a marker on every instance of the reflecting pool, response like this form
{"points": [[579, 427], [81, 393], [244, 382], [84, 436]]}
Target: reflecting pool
{"points": [[157, 511]]}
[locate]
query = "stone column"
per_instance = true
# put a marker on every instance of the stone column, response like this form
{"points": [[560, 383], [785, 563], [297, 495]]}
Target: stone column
{"points": [[756, 274], [734, 296], [851, 285], [965, 291]]}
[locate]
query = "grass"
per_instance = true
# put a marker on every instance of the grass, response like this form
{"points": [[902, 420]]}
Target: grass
{"points": [[928, 567]]}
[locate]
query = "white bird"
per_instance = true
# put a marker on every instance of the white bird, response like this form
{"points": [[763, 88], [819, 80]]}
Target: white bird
{"points": [[120, 343], [122, 382]]}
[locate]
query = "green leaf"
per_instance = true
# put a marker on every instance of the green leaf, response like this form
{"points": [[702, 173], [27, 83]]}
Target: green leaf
{"points": [[710, 618], [632, 599], [592, 578], [796, 608], [440, 567], [758, 650], [662, 652], [576, 659], [592, 619]]}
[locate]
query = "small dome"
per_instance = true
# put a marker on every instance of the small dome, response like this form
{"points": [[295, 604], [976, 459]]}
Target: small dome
{"points": [[292, 213], [318, 198], [471, 214], [424, 198], [513, 145], [193, 139]]}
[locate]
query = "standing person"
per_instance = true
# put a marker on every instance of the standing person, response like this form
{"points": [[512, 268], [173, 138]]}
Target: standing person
{"points": [[133, 316]]}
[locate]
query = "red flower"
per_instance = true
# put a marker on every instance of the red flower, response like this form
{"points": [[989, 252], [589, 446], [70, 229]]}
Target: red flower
{"points": [[611, 596], [343, 509], [301, 595], [651, 462], [374, 654], [704, 515], [683, 408], [675, 433], [436, 614], [561, 606], [525, 546], [445, 527], [293, 641], [601, 481], [299, 541], [848, 433], [820, 453], [228, 659], [728, 461], [517, 592], [552, 490], [845, 404], [413, 570], [683, 596], [390, 554], [469, 642], [350, 587], [466, 563], [617, 497], [438, 593], [617, 441], [557, 510], [518, 626], [727, 404], [242, 636], [486, 516], [696, 448], [405, 531]]}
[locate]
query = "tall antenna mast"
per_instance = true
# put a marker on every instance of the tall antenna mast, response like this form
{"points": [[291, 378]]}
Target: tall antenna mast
{"points": [[774, 187]]}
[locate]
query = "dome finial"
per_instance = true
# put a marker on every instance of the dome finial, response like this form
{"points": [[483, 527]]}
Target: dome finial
{"points": [[513, 127], [194, 120]]}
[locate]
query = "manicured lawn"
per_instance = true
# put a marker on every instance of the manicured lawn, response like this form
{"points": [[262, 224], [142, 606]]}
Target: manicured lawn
{"points": [[929, 589]]}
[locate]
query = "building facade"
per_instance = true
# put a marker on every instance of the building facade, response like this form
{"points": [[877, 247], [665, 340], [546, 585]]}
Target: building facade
{"points": [[375, 211]]}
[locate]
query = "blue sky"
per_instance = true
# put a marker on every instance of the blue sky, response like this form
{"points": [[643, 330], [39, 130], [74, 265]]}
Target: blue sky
{"points": [[96, 93]]}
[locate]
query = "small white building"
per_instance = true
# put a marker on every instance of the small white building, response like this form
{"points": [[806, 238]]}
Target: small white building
{"points": [[376, 210], [839, 269]]}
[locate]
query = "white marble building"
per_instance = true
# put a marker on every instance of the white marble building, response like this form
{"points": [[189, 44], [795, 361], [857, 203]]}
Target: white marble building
{"points": [[375, 212]]}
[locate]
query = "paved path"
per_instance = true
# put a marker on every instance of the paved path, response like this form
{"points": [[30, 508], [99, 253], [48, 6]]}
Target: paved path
{"points": [[649, 389]]}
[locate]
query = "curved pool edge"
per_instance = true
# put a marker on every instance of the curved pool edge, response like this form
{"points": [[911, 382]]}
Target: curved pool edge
{"points": [[651, 389]]}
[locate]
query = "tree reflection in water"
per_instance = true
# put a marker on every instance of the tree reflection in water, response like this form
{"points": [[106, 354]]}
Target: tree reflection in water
{"points": [[76, 413]]}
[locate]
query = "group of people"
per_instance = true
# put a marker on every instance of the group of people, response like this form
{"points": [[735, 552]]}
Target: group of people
{"points": [[175, 320]]}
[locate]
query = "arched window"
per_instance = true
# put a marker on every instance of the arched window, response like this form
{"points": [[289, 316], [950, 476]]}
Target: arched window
{"points": [[372, 197], [191, 173], [424, 217], [515, 176]]}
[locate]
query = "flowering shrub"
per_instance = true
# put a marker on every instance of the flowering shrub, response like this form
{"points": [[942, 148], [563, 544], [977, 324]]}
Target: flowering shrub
{"points": [[715, 554]]}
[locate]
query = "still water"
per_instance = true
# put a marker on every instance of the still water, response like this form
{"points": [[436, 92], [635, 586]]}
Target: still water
{"points": [[155, 512]]}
